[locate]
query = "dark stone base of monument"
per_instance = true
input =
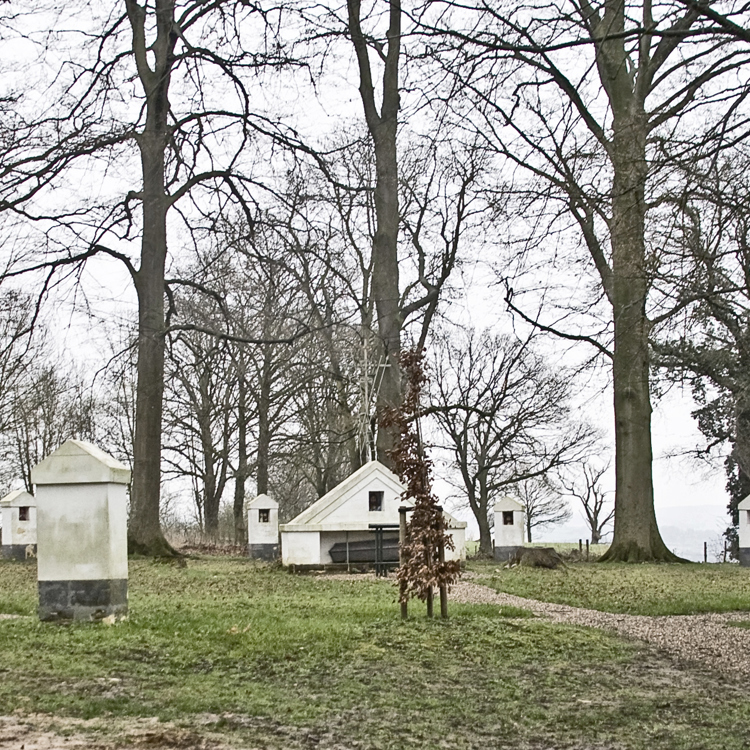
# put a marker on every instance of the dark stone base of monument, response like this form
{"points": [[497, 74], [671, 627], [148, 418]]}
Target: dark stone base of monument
{"points": [[17, 551], [503, 554], [268, 552], [744, 556], [82, 600]]}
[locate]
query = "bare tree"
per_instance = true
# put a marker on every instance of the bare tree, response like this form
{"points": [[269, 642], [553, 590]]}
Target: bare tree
{"points": [[183, 127], [585, 486], [543, 505], [596, 102], [503, 416], [50, 405], [17, 348]]}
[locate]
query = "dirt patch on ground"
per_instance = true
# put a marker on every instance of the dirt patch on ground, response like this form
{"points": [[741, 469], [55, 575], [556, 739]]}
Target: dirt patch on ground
{"points": [[38, 732]]}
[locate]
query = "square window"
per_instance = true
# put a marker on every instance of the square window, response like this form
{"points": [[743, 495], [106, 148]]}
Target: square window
{"points": [[507, 518], [23, 513], [376, 500], [264, 515]]}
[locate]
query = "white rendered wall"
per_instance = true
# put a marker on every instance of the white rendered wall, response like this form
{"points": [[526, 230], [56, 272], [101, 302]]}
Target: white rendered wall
{"points": [[459, 542], [744, 529], [509, 536], [262, 533], [18, 532], [356, 509], [300, 548], [82, 532]]}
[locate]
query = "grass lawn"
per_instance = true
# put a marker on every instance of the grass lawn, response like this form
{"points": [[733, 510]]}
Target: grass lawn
{"points": [[631, 589], [279, 661]]}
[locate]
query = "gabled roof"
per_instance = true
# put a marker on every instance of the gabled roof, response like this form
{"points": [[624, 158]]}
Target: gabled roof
{"points": [[18, 499], [323, 507], [507, 503], [78, 462], [313, 518], [263, 501], [744, 504]]}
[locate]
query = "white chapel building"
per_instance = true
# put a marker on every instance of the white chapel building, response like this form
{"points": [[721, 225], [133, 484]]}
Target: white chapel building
{"points": [[344, 516]]}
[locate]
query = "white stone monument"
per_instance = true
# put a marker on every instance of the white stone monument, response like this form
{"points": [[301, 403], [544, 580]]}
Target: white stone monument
{"points": [[744, 531], [18, 512], [81, 495], [508, 527], [263, 528]]}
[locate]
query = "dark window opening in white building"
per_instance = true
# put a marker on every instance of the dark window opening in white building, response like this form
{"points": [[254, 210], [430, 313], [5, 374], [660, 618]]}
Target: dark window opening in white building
{"points": [[376, 500]]}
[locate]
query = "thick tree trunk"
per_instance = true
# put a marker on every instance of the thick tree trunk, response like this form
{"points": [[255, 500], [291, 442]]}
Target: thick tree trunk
{"points": [[482, 515], [741, 446], [485, 535], [210, 494], [385, 280], [636, 536], [144, 530], [383, 127]]}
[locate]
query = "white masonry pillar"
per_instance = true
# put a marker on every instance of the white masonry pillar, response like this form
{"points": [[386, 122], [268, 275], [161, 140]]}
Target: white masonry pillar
{"points": [[263, 528], [744, 531], [508, 528], [82, 552], [18, 512]]}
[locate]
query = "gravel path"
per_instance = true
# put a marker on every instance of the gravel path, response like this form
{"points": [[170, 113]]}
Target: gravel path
{"points": [[706, 639]]}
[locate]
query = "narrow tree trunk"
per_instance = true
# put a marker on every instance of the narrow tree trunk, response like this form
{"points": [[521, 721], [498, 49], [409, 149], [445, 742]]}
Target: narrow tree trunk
{"points": [[264, 425], [210, 493], [240, 524]]}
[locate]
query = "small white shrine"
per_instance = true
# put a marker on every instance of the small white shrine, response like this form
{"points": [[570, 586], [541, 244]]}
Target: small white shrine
{"points": [[81, 495], [509, 527], [744, 531], [18, 514], [263, 528], [345, 517]]}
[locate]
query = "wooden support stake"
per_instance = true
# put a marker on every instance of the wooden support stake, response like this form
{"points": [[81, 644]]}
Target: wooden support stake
{"points": [[443, 587], [705, 552], [587, 550], [580, 546], [402, 560]]}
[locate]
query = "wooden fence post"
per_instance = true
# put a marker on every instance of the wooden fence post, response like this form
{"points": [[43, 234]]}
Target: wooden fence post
{"points": [[443, 587], [401, 560]]}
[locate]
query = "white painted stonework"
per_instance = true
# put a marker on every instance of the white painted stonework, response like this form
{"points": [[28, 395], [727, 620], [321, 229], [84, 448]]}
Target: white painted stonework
{"points": [[260, 531], [17, 532], [744, 528], [508, 535], [82, 514], [344, 514]]}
